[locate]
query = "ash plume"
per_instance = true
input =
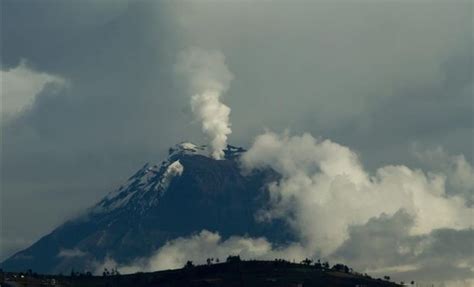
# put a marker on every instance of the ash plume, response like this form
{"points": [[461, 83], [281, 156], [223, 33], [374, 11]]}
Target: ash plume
{"points": [[208, 78]]}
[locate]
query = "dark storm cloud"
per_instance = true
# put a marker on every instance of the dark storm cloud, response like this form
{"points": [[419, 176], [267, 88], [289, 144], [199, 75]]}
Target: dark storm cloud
{"points": [[48, 30], [375, 77]]}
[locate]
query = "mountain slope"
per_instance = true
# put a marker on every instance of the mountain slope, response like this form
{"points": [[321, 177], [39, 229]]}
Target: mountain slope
{"points": [[186, 193]]}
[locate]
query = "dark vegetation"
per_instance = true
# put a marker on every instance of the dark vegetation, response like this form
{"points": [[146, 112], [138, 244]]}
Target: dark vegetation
{"points": [[232, 272]]}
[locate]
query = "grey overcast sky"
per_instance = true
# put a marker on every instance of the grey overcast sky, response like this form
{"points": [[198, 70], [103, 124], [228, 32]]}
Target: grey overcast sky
{"points": [[89, 91]]}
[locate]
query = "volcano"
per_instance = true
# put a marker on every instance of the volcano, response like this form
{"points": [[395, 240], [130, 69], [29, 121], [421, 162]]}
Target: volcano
{"points": [[187, 192]]}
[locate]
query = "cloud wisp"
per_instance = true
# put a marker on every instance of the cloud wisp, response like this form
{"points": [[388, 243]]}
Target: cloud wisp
{"points": [[21, 85], [458, 171]]}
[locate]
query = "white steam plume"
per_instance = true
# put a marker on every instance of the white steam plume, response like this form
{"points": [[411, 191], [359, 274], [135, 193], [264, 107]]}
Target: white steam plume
{"points": [[209, 78]]}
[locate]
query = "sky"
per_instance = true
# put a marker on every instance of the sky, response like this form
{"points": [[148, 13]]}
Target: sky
{"points": [[90, 92]]}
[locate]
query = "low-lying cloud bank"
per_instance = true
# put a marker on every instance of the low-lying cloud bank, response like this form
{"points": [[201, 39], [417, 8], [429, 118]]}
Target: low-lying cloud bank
{"points": [[206, 244], [397, 221]]}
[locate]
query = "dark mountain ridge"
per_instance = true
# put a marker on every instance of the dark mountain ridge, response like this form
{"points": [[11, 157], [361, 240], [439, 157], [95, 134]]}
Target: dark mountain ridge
{"points": [[232, 273], [186, 193]]}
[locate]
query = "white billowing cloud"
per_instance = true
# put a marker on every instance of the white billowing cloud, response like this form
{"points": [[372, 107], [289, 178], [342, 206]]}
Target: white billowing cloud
{"points": [[459, 172], [206, 244], [324, 190], [20, 85], [208, 78]]}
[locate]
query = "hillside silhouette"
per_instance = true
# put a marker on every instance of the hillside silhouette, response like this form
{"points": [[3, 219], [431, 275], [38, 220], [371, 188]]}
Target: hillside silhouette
{"points": [[233, 272]]}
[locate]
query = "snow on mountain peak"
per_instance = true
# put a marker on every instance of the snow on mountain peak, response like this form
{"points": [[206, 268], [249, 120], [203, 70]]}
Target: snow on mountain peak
{"points": [[150, 182], [174, 169], [188, 148]]}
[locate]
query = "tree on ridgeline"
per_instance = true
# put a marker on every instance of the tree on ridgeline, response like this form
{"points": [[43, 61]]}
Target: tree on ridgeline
{"points": [[106, 272], [233, 259], [326, 265], [341, 268], [189, 265], [318, 264], [209, 261]]}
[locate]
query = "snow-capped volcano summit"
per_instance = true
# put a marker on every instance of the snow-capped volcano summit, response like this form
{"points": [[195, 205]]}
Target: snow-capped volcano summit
{"points": [[188, 148], [185, 193], [150, 182]]}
